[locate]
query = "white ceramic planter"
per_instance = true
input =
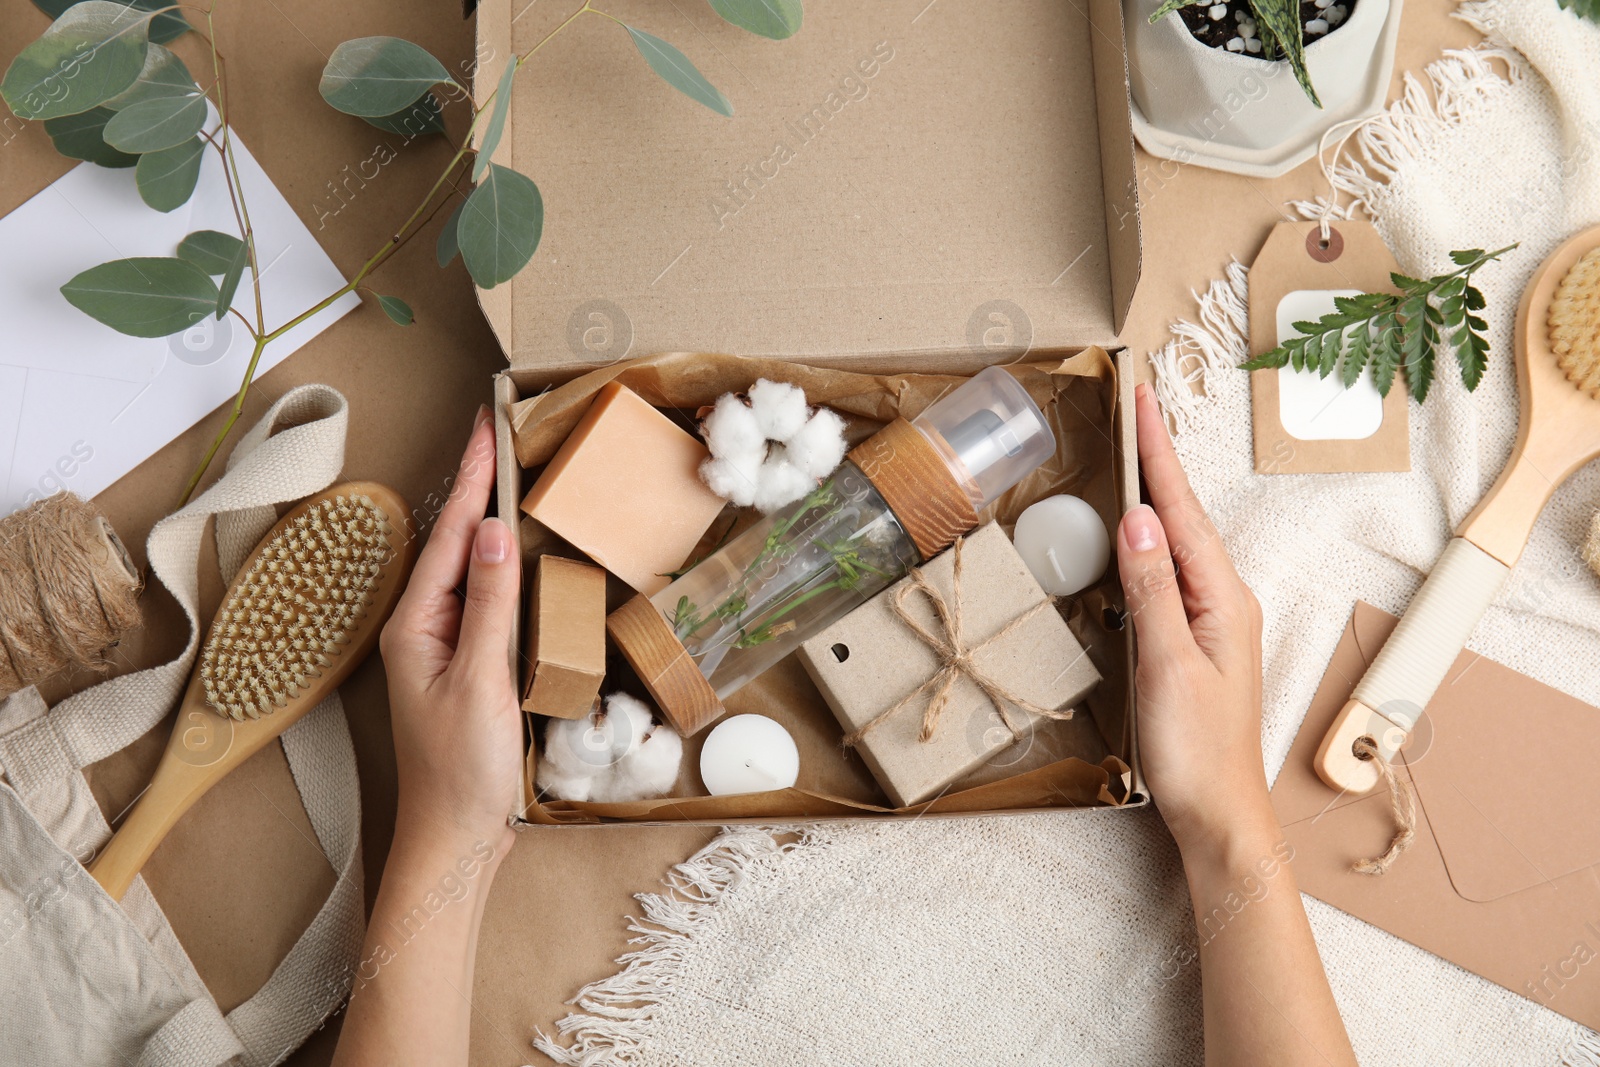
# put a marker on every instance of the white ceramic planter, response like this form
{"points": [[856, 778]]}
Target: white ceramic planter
{"points": [[1237, 112]]}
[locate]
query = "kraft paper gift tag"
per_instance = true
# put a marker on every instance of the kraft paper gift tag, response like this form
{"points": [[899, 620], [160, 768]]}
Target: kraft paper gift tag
{"points": [[1306, 424]]}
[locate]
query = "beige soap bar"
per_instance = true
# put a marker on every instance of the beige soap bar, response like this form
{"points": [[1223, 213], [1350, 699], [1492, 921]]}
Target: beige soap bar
{"points": [[566, 638], [867, 662], [625, 488]]}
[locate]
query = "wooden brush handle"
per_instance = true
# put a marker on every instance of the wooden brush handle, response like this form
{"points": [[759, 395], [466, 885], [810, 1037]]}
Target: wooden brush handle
{"points": [[203, 748], [1412, 664]]}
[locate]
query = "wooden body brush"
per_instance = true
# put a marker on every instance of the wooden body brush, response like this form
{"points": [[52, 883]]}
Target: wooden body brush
{"points": [[305, 609], [1558, 376]]}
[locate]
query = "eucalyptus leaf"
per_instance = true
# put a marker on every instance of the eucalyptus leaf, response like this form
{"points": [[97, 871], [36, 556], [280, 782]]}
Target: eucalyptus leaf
{"points": [[167, 178], [423, 115], [448, 244], [678, 72], [92, 52], [210, 250], [83, 137], [231, 278], [164, 74], [143, 297], [774, 19], [396, 309], [156, 123], [167, 26], [376, 76], [497, 121], [500, 226]]}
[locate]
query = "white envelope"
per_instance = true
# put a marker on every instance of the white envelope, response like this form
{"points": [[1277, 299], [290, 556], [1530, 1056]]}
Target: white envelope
{"points": [[80, 404]]}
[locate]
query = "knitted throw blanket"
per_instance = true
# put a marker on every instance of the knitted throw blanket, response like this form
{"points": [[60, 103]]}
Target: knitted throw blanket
{"points": [[1067, 939]]}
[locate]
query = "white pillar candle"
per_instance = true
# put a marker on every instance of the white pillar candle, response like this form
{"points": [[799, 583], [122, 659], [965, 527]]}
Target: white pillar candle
{"points": [[1064, 544], [748, 754]]}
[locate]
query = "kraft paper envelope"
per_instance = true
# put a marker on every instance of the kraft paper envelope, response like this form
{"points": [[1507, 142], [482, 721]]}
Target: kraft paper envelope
{"points": [[1504, 878]]}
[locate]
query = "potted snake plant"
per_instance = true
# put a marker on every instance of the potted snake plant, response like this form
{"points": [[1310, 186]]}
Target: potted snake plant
{"points": [[1251, 85]]}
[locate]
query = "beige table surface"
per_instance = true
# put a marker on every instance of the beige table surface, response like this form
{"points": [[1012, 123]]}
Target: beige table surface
{"points": [[240, 876]]}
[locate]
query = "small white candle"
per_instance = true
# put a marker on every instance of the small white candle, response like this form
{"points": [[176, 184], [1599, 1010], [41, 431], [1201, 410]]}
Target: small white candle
{"points": [[748, 754], [1064, 544]]}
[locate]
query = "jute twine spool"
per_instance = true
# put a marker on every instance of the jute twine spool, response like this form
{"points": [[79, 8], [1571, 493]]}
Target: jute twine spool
{"points": [[68, 591]]}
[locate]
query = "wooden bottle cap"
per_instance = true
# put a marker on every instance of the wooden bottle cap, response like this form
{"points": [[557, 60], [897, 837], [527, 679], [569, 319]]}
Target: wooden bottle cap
{"points": [[916, 483], [664, 665]]}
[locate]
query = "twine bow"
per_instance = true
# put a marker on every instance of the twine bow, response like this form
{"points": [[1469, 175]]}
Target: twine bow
{"points": [[956, 657]]}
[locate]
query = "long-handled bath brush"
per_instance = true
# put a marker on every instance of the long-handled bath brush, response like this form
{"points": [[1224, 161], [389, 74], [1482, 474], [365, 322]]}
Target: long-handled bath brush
{"points": [[305, 609], [1558, 376]]}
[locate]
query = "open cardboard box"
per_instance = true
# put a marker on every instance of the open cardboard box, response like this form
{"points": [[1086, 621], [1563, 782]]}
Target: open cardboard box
{"points": [[906, 190]]}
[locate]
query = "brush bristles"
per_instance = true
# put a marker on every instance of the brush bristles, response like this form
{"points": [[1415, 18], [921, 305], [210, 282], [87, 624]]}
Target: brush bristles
{"points": [[1575, 323], [289, 617]]}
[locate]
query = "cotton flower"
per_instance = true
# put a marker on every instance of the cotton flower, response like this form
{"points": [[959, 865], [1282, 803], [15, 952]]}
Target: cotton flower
{"points": [[818, 447], [780, 482], [650, 770], [736, 477], [769, 450], [779, 408], [614, 753], [732, 427]]}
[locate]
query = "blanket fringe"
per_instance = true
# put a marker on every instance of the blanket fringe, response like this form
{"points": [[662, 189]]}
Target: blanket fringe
{"points": [[618, 1013], [1219, 341], [1460, 83], [1583, 1052]]}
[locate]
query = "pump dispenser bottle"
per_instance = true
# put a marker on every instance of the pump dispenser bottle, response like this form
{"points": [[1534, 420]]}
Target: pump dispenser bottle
{"points": [[900, 498]]}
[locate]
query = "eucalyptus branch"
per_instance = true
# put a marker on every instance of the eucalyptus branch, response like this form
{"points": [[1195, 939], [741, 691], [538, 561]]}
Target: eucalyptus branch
{"points": [[1393, 332], [231, 174], [144, 109], [227, 426]]}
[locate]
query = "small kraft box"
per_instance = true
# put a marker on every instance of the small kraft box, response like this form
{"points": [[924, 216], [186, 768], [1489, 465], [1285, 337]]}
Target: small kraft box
{"points": [[911, 195], [566, 637], [919, 722]]}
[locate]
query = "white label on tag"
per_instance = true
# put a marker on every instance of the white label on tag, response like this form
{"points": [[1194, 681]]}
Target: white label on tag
{"points": [[1314, 408]]}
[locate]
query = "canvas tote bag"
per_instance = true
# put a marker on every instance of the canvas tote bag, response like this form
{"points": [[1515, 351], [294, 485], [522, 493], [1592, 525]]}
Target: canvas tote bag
{"points": [[85, 980]]}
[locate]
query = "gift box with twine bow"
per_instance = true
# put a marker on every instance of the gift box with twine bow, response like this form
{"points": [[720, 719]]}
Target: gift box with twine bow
{"points": [[954, 663]]}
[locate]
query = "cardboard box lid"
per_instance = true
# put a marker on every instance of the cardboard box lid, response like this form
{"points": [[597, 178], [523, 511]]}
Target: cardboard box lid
{"points": [[950, 183]]}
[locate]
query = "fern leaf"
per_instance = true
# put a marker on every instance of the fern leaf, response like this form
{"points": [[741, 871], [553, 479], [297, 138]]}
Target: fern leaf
{"points": [[1313, 353], [1414, 349], [1357, 348], [1385, 351]]}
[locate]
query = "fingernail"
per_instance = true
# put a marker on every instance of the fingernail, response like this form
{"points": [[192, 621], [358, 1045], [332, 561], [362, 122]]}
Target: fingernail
{"points": [[1141, 528], [1141, 390], [482, 417], [493, 543]]}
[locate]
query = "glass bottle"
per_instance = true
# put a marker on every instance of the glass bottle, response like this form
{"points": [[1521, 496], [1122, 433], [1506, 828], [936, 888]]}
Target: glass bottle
{"points": [[801, 568]]}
